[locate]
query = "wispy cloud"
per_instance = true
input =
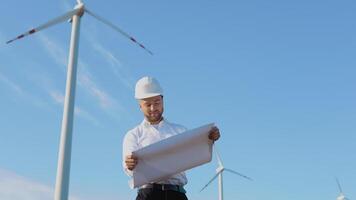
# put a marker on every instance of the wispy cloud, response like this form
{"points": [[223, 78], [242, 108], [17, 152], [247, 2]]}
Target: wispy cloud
{"points": [[114, 64], [105, 100], [16, 187], [54, 50], [59, 99], [84, 78], [22, 92], [12, 85]]}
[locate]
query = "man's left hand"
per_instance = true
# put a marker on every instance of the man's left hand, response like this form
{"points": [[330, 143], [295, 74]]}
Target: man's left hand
{"points": [[214, 133]]}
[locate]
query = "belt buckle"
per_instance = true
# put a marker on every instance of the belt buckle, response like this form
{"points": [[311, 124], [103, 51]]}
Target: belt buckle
{"points": [[165, 187]]}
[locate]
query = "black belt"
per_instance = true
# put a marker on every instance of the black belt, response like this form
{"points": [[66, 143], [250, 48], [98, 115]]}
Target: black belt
{"points": [[164, 187]]}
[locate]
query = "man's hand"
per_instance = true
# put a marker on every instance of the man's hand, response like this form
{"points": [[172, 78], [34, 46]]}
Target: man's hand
{"points": [[214, 133], [131, 162]]}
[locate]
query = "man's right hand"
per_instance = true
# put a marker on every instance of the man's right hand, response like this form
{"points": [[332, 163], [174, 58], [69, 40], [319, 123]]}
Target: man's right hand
{"points": [[131, 162]]}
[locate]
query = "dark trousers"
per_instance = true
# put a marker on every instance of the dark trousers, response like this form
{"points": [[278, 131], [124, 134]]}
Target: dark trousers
{"points": [[154, 194]]}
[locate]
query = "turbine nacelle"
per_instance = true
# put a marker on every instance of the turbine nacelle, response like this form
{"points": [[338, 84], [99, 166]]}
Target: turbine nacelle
{"points": [[80, 7], [341, 195], [220, 169]]}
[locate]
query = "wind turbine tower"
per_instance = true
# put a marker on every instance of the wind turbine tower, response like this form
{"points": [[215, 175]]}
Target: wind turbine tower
{"points": [[219, 173], [64, 155]]}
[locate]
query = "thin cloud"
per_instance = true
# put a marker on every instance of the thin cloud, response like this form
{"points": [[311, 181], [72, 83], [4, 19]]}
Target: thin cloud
{"points": [[84, 78], [109, 105], [86, 115], [59, 99], [58, 54], [114, 64], [22, 93], [56, 96], [54, 50], [16, 187], [12, 85], [104, 99]]}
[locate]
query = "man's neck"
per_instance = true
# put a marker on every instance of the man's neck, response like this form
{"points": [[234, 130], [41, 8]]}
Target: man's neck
{"points": [[155, 122]]}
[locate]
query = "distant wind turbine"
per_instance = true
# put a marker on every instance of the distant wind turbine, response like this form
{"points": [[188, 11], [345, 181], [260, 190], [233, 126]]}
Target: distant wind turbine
{"points": [[64, 156], [341, 195], [219, 173]]}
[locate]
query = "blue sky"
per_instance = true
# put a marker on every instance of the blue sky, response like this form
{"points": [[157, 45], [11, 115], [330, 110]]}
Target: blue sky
{"points": [[277, 77]]}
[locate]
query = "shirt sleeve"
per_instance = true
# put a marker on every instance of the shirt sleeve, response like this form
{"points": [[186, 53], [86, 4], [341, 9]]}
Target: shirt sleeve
{"points": [[130, 144]]}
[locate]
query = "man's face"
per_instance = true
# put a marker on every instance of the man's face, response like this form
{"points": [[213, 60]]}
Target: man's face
{"points": [[152, 108]]}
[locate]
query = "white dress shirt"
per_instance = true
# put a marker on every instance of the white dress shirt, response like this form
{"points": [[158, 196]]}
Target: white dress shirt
{"points": [[145, 134]]}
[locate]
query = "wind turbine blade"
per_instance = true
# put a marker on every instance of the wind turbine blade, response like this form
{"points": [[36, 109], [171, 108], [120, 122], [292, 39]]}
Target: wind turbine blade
{"points": [[52, 22], [218, 156], [211, 180], [338, 183], [117, 29], [237, 173]]}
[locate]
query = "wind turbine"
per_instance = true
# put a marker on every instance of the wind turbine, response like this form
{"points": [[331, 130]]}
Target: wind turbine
{"points": [[341, 195], [219, 173], [64, 155]]}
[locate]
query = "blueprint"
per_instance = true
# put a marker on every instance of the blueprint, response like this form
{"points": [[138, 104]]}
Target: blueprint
{"points": [[175, 154]]}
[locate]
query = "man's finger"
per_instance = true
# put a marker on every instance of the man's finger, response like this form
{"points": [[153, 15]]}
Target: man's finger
{"points": [[214, 135], [131, 161], [131, 157]]}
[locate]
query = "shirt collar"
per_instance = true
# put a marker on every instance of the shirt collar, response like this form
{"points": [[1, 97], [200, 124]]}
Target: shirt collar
{"points": [[160, 124]]}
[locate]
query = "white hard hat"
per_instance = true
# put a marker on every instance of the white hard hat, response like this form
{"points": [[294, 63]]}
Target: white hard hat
{"points": [[147, 87]]}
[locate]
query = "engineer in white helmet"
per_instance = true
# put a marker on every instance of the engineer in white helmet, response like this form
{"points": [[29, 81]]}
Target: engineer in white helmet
{"points": [[154, 128]]}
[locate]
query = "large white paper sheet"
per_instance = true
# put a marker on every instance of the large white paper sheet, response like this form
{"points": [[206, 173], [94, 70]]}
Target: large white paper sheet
{"points": [[170, 156]]}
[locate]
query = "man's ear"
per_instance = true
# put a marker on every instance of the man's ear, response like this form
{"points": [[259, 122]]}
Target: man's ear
{"points": [[139, 104]]}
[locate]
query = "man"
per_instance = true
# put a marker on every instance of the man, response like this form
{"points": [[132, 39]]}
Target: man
{"points": [[154, 128]]}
